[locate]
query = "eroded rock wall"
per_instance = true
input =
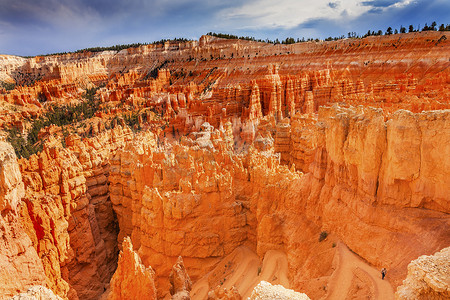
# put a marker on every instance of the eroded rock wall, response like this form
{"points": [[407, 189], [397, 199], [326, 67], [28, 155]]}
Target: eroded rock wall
{"points": [[163, 198], [367, 170], [68, 215], [20, 265], [178, 202], [200, 200]]}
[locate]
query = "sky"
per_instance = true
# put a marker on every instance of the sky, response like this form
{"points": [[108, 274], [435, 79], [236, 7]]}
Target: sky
{"points": [[30, 27]]}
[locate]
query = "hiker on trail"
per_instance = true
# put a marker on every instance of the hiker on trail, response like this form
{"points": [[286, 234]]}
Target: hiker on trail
{"points": [[383, 273]]}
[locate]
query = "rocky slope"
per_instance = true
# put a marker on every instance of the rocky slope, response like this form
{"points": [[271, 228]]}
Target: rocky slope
{"points": [[201, 149], [428, 277]]}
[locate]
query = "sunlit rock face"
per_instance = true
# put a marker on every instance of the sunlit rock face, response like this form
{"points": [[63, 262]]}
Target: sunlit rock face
{"points": [[427, 277], [21, 267], [264, 290], [132, 280], [37, 292], [200, 169]]}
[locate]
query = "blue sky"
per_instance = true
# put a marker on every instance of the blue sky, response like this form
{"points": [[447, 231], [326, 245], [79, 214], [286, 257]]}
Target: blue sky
{"points": [[30, 27]]}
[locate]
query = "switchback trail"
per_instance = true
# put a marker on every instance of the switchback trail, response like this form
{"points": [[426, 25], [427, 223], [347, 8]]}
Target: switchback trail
{"points": [[353, 275]]}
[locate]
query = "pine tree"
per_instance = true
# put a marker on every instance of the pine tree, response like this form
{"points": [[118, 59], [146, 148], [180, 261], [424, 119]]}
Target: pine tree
{"points": [[433, 26]]}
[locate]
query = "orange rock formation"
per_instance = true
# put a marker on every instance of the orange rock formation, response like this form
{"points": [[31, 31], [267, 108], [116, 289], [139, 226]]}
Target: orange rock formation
{"points": [[132, 280], [180, 283], [21, 267], [234, 149]]}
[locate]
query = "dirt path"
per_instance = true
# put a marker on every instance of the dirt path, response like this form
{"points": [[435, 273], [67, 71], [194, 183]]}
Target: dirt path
{"points": [[351, 268], [244, 270]]}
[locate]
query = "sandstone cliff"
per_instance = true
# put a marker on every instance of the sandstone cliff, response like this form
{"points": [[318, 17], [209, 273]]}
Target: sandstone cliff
{"points": [[361, 170], [428, 278], [261, 199], [21, 267], [68, 215]]}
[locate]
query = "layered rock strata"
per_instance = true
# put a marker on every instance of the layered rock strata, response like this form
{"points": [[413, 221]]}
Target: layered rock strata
{"points": [[158, 196], [68, 215], [21, 267], [407, 71]]}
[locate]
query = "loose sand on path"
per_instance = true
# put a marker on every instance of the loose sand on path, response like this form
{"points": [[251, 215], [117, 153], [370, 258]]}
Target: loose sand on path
{"points": [[354, 278], [243, 269]]}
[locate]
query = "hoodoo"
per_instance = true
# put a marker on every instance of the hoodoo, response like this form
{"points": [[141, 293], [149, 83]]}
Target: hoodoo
{"points": [[228, 169]]}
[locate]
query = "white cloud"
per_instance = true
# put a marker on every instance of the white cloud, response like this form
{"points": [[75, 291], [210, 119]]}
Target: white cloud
{"points": [[290, 13]]}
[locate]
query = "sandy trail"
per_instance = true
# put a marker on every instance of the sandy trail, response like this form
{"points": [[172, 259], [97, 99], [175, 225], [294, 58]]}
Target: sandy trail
{"points": [[243, 269], [352, 279], [349, 266]]}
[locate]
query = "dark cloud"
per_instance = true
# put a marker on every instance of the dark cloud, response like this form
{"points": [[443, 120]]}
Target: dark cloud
{"points": [[375, 10], [30, 27], [333, 5], [380, 3], [312, 23], [417, 13]]}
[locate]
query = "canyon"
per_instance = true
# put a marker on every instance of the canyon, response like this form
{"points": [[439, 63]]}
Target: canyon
{"points": [[227, 169]]}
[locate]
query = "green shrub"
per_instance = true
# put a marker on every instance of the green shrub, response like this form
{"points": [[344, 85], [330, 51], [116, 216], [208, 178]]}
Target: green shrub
{"points": [[7, 86], [56, 115], [22, 147], [323, 235], [154, 72]]}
